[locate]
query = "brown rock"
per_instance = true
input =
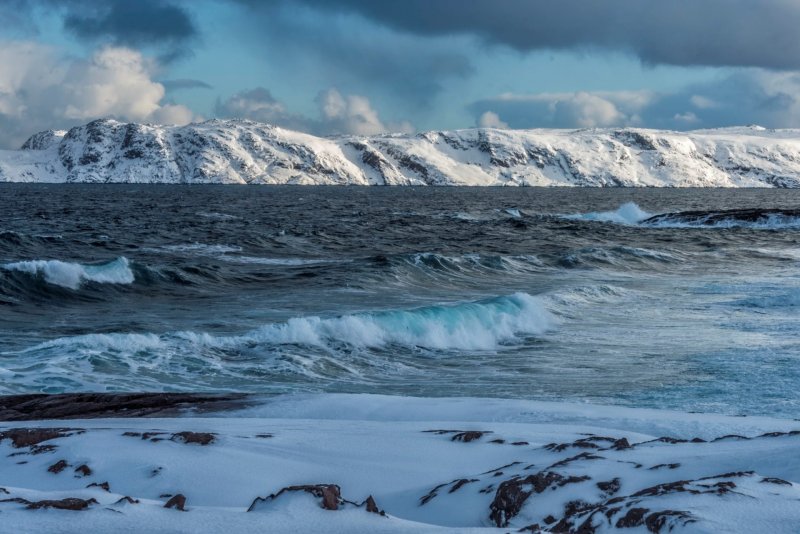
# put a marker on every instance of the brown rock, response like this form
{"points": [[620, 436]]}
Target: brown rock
{"points": [[609, 487], [70, 503], [330, 495], [512, 494], [102, 485], [200, 438], [372, 507], [83, 470], [469, 435], [93, 405], [28, 437], [178, 502], [634, 518], [58, 466]]}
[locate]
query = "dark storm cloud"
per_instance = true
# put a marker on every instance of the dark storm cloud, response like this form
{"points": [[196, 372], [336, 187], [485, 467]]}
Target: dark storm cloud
{"points": [[676, 32], [351, 51], [129, 22], [162, 24]]}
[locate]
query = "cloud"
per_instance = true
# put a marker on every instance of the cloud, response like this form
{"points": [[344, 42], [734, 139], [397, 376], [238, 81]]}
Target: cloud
{"points": [[747, 96], [39, 89], [490, 119], [184, 83], [338, 114], [677, 32], [162, 25], [564, 110], [353, 53]]}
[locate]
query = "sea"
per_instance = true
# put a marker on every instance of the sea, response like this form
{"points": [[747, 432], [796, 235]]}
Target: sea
{"points": [[567, 294]]}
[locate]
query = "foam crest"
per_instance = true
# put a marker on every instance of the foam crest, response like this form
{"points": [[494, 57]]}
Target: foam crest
{"points": [[481, 325], [628, 213], [73, 275]]}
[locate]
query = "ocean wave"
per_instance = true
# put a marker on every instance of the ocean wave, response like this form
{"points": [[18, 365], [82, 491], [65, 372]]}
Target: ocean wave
{"points": [[74, 275], [480, 325], [778, 300], [629, 213], [199, 249], [755, 218], [616, 256], [286, 262]]}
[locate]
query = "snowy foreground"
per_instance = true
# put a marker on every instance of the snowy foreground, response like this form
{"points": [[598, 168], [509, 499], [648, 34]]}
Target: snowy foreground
{"points": [[245, 152], [393, 464]]}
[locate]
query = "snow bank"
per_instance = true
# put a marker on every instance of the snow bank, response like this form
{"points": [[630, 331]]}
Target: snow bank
{"points": [[427, 464]]}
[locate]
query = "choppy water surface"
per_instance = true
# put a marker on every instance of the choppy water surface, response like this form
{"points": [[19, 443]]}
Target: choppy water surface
{"points": [[532, 293]]}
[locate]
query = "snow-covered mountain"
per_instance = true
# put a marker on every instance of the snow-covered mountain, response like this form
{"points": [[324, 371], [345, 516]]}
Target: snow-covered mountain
{"points": [[245, 152]]}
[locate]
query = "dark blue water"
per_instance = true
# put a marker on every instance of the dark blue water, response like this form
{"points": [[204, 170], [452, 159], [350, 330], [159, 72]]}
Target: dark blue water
{"points": [[532, 293]]}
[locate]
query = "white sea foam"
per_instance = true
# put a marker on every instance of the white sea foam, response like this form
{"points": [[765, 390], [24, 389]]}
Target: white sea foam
{"points": [[628, 213], [770, 221], [73, 275], [480, 325]]}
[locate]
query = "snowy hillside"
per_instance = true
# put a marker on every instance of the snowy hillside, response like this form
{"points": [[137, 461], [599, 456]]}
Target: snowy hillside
{"points": [[236, 151]]}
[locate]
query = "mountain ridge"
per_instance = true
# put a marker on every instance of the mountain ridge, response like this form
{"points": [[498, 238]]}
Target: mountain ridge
{"points": [[246, 152]]}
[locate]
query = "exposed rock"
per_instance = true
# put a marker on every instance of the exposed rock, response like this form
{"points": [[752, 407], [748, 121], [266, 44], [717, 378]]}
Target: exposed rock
{"points": [[461, 435], [178, 502], [773, 480], [199, 438], [102, 485], [668, 466], [470, 435], [58, 466], [83, 470], [656, 521], [512, 494], [29, 437], [609, 487], [634, 518], [94, 405], [372, 507], [330, 495], [70, 503]]}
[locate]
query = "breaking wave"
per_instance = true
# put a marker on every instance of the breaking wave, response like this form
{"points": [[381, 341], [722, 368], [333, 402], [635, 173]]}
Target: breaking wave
{"points": [[481, 325], [759, 219], [74, 275], [628, 213], [754, 218]]}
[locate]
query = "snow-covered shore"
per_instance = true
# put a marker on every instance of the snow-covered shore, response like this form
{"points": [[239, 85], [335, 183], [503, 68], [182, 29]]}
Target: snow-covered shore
{"points": [[428, 464], [245, 152]]}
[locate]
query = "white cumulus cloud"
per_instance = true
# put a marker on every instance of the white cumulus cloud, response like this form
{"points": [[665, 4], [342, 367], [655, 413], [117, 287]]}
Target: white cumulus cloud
{"points": [[338, 113], [490, 119], [41, 89]]}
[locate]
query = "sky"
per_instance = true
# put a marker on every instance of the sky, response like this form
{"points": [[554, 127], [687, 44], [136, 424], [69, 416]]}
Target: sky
{"points": [[372, 66]]}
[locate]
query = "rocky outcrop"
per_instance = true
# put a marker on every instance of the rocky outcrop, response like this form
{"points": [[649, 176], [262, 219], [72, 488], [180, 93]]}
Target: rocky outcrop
{"points": [[95, 405]]}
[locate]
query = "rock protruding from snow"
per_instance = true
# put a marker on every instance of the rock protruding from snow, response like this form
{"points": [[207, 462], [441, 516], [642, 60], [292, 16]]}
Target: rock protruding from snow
{"points": [[246, 152]]}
